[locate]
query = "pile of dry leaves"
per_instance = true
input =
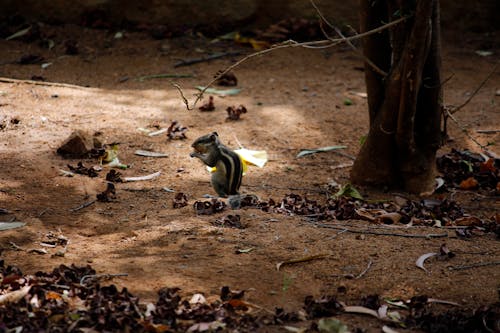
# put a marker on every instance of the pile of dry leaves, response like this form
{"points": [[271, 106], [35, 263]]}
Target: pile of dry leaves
{"points": [[470, 171], [71, 299]]}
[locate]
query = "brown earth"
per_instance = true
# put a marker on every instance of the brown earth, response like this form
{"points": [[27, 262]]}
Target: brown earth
{"points": [[295, 99]]}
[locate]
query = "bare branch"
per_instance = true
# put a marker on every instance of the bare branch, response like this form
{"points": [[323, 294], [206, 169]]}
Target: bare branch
{"points": [[449, 111], [481, 264], [369, 232], [489, 131], [87, 278], [455, 109], [449, 114], [287, 44], [370, 263], [82, 206], [354, 48], [42, 83]]}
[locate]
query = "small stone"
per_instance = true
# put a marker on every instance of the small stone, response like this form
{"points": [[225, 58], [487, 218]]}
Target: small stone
{"points": [[77, 145]]}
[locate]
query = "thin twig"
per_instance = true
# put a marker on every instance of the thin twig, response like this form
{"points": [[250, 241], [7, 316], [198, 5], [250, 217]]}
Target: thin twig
{"points": [[449, 110], [16, 247], [267, 186], [481, 264], [337, 234], [61, 286], [163, 76], [368, 232], [286, 44], [43, 212], [450, 115], [341, 166], [488, 131], [344, 155], [381, 226], [370, 263], [99, 276], [82, 206], [300, 260], [258, 307], [354, 48], [214, 56], [455, 109], [41, 83]]}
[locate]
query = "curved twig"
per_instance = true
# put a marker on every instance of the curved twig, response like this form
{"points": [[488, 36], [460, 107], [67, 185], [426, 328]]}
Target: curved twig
{"points": [[286, 44], [354, 48]]}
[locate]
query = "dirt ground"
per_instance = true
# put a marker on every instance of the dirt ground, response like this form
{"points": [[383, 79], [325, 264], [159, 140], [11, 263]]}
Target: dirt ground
{"points": [[295, 99]]}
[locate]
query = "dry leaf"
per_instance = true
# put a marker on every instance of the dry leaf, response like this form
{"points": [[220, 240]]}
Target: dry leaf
{"points": [[442, 301], [148, 153], [390, 218], [14, 296], [207, 327], [361, 310], [469, 184], [238, 304], [147, 177], [295, 261], [468, 221], [489, 165], [209, 106], [52, 295], [420, 261], [387, 329], [161, 131], [198, 299]]}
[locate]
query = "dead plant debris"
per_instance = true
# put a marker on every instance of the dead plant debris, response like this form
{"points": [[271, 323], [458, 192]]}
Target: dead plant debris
{"points": [[83, 170], [208, 106], [114, 176], [466, 170], [108, 195], [29, 59], [209, 207], [227, 80], [176, 132], [180, 200], [229, 221], [298, 29], [71, 298], [427, 212], [234, 113], [6, 122]]}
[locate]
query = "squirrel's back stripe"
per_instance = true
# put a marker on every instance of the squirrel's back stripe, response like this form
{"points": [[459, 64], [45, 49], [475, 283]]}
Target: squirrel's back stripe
{"points": [[234, 170]]}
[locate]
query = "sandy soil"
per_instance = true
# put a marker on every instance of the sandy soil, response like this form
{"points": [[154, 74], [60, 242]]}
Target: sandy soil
{"points": [[295, 99]]}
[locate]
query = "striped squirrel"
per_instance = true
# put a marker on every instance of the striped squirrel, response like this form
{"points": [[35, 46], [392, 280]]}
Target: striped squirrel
{"points": [[226, 179]]}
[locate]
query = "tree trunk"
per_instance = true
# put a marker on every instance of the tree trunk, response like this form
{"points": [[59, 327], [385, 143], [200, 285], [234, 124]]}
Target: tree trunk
{"points": [[405, 105]]}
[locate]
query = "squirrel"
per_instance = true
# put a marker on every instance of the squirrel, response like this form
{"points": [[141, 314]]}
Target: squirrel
{"points": [[226, 180]]}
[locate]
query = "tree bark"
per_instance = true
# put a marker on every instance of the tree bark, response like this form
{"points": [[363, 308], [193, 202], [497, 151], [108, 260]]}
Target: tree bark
{"points": [[404, 106]]}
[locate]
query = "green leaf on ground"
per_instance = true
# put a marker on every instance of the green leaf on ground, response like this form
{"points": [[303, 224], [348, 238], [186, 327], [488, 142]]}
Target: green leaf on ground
{"points": [[220, 92], [349, 191], [305, 152], [11, 225]]}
